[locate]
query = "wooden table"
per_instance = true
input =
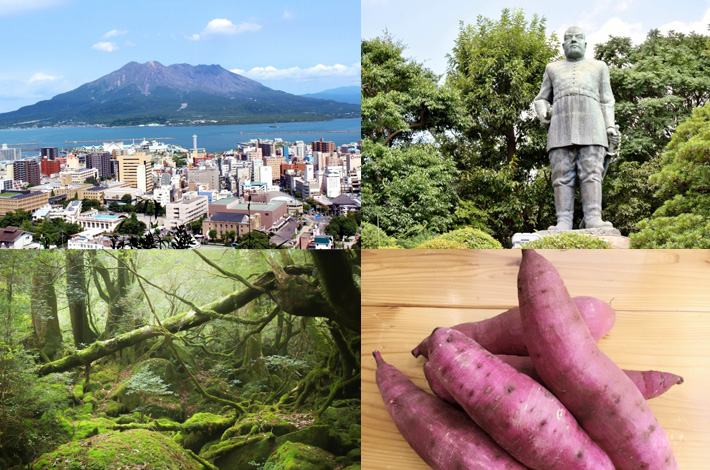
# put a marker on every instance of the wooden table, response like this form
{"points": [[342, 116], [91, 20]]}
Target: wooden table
{"points": [[662, 300]]}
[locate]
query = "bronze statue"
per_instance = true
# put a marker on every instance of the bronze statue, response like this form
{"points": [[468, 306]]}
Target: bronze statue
{"points": [[577, 104]]}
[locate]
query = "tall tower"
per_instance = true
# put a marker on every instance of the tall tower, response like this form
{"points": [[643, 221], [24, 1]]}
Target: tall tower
{"points": [[194, 142]]}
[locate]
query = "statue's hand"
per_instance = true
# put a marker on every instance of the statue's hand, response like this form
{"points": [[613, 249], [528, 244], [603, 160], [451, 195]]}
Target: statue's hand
{"points": [[614, 136]]}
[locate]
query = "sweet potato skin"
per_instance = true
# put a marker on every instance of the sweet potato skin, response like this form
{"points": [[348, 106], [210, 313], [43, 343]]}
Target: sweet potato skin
{"points": [[444, 437], [651, 383], [604, 400], [517, 412], [503, 334]]}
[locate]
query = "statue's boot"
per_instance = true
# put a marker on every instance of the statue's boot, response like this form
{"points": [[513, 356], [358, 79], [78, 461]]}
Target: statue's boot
{"points": [[564, 206], [592, 205]]}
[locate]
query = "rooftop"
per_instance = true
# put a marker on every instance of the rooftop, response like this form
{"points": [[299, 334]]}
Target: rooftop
{"points": [[229, 217]]}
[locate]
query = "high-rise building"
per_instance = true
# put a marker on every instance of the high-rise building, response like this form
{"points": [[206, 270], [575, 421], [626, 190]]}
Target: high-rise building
{"points": [[50, 167], [9, 154], [267, 148], [102, 162], [27, 171], [323, 146], [50, 153], [136, 170]]}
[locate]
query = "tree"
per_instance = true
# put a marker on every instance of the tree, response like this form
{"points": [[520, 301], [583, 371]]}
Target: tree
{"points": [[45, 320], [408, 190], [89, 204], [131, 226], [127, 198], [657, 84], [683, 182], [113, 286], [253, 240], [497, 66], [341, 226], [401, 97], [77, 294], [212, 234]]}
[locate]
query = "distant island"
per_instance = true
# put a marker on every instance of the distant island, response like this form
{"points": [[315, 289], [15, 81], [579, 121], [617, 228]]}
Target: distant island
{"points": [[176, 95]]}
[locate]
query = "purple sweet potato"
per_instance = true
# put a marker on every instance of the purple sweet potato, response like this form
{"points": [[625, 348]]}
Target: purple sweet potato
{"points": [[444, 437], [604, 400], [521, 415], [651, 383], [503, 333]]}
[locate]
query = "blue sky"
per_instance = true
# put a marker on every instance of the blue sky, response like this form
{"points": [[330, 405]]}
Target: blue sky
{"points": [[429, 28], [53, 46]]}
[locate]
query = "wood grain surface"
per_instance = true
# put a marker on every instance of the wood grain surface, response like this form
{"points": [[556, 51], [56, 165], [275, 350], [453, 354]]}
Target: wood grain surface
{"points": [[661, 297]]}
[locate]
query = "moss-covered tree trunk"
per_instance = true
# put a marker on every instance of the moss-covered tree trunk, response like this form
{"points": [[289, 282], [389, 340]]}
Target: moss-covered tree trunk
{"points": [[76, 298], [113, 289], [43, 308]]}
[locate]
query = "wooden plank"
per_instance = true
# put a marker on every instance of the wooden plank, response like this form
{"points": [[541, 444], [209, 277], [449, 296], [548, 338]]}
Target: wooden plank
{"points": [[663, 322]]}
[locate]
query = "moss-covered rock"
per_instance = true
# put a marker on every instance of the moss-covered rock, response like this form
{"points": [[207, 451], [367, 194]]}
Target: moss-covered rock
{"points": [[114, 408], [297, 456], [241, 453], [259, 423], [202, 428], [317, 436], [133, 449]]}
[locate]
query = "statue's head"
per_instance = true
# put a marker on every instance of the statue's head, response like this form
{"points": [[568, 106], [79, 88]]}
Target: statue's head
{"points": [[575, 43]]}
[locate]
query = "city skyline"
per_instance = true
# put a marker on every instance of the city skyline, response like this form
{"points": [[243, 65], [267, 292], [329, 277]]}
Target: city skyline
{"points": [[58, 45]]}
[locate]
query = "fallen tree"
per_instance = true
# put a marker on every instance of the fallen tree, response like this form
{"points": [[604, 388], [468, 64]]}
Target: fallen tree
{"points": [[174, 324]]}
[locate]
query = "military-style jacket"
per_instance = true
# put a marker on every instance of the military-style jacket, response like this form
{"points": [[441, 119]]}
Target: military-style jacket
{"points": [[582, 102]]}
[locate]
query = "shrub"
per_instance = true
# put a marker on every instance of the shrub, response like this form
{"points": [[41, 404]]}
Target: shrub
{"points": [[683, 231], [374, 237], [568, 240], [472, 238]]}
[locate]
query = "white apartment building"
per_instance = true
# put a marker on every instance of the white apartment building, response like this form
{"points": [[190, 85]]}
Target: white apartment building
{"points": [[185, 211], [162, 196]]}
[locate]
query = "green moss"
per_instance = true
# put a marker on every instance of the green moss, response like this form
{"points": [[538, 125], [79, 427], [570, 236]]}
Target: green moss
{"points": [[202, 428], [297, 456], [317, 436], [78, 391], [53, 423], [162, 368], [133, 449], [238, 452], [259, 423], [90, 427], [114, 408]]}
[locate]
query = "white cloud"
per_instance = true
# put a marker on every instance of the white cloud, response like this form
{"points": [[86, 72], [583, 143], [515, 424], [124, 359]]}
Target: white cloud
{"points": [[287, 15], [194, 37], [105, 46], [298, 73], [114, 32], [42, 77], [14, 6], [700, 26], [224, 27]]}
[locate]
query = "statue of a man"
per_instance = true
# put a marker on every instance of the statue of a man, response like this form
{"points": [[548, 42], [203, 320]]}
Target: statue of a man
{"points": [[577, 104]]}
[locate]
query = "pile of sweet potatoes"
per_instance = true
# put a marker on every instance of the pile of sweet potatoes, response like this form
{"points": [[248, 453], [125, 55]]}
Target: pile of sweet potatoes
{"points": [[530, 388]]}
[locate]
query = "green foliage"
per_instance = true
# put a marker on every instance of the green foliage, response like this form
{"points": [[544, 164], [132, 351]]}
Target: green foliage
{"points": [[341, 226], [441, 244], [374, 237], [24, 398], [497, 67], [131, 226], [407, 189], [683, 182], [656, 84], [682, 231], [54, 231], [147, 382], [630, 195], [400, 96], [568, 241], [212, 234], [472, 238], [15, 219], [254, 240], [127, 199], [89, 204]]}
